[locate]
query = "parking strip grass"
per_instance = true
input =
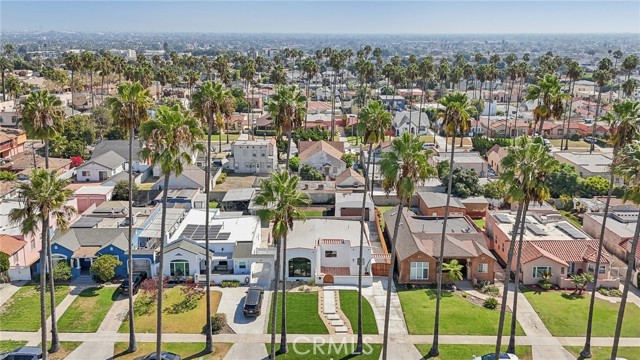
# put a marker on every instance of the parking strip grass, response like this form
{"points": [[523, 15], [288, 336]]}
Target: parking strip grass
{"points": [[22, 311], [185, 350], [187, 322], [10, 345], [458, 352], [566, 315], [349, 306], [88, 310], [339, 351], [302, 314], [602, 352], [459, 316], [66, 348]]}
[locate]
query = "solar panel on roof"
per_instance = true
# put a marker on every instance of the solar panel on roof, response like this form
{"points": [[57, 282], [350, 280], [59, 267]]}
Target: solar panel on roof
{"points": [[537, 231], [503, 218], [189, 230], [571, 231], [223, 236]]}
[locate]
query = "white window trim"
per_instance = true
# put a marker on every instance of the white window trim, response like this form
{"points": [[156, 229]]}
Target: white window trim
{"points": [[535, 271], [483, 268], [417, 270]]}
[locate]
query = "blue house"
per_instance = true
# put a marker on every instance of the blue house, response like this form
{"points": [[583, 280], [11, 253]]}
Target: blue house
{"points": [[80, 247], [393, 102]]}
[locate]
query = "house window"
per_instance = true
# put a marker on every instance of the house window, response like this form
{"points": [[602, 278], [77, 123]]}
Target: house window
{"points": [[299, 267], [602, 269], [562, 270], [15, 258], [242, 264], [591, 268], [483, 268], [179, 268], [86, 173], [330, 253], [33, 243], [419, 271], [538, 271]]}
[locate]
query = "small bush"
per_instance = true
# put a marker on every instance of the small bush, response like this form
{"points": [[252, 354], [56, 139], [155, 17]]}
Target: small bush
{"points": [[574, 137], [490, 303], [311, 283], [489, 289], [61, 271], [545, 285], [230, 283], [610, 292], [218, 322], [221, 178], [464, 294]]}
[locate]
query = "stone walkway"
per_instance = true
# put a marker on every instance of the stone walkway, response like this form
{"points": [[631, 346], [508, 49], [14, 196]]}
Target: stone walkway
{"points": [[330, 311]]}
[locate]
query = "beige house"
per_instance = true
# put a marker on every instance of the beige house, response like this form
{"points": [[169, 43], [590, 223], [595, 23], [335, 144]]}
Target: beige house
{"points": [[495, 156], [324, 156]]}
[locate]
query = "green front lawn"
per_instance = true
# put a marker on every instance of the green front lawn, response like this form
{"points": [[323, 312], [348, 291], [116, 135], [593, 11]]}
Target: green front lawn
{"points": [[66, 348], [10, 345], [88, 310], [566, 315], [457, 352], [187, 322], [302, 314], [22, 311], [597, 352], [349, 306], [338, 351], [458, 316], [185, 350], [313, 213], [479, 222], [232, 137]]}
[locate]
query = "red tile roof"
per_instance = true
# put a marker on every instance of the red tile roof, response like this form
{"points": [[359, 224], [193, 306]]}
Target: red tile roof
{"points": [[10, 245], [563, 251]]}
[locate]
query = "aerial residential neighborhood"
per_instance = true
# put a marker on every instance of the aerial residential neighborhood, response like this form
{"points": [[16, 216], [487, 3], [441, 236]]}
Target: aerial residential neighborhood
{"points": [[367, 186]]}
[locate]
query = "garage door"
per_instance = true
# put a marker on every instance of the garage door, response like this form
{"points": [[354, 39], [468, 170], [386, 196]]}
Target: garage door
{"points": [[142, 265], [355, 212]]}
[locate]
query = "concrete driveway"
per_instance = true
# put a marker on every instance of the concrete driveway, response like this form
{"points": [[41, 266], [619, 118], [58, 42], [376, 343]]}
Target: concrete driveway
{"points": [[231, 305]]}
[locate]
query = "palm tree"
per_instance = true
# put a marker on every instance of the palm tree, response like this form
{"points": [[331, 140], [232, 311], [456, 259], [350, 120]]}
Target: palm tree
{"points": [[492, 74], [311, 69], [280, 196], [425, 72], [629, 64], [192, 77], [278, 76], [548, 91], [374, 120], [172, 138], [287, 108], [624, 123], [209, 103], [481, 76], [73, 63], [336, 61], [129, 109], [401, 169], [104, 70], [43, 198], [574, 72], [526, 169], [629, 86], [5, 64], [628, 166], [42, 118], [89, 64], [601, 76], [454, 270], [456, 118], [248, 73]]}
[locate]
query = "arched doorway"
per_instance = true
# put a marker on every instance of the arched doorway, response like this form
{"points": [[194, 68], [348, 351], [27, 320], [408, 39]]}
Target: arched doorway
{"points": [[328, 279], [299, 267]]}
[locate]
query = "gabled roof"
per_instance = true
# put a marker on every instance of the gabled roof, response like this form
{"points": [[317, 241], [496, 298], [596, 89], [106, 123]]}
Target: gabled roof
{"points": [[120, 147], [186, 245], [76, 238], [347, 174], [563, 251], [501, 151], [10, 245], [109, 159], [304, 145], [320, 146]]}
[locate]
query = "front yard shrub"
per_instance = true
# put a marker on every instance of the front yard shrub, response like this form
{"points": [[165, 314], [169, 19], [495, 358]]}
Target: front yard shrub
{"points": [[545, 285], [610, 292], [221, 178], [218, 322], [490, 303], [575, 137], [62, 271], [104, 268], [489, 289], [230, 283]]}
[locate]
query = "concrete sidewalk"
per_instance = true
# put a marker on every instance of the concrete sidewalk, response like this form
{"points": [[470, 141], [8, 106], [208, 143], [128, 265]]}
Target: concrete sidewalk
{"points": [[7, 290], [92, 350], [247, 351], [116, 314]]}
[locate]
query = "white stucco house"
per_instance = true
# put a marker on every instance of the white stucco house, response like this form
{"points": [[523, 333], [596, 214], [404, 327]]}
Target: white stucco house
{"points": [[412, 122], [350, 204], [324, 156], [326, 250], [101, 168]]}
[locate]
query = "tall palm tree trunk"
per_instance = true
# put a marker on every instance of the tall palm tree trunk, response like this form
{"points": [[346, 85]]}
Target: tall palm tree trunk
{"points": [[333, 106], [91, 87], [219, 139], [387, 309], [586, 350], [435, 351], [595, 119], [55, 342], [421, 107], [306, 115], [72, 109], [283, 323], [274, 308], [208, 348], [506, 114], [132, 333], [288, 150], [410, 106], [511, 348], [507, 274], [43, 287], [163, 228], [566, 142], [631, 264], [490, 104], [226, 129], [358, 349]]}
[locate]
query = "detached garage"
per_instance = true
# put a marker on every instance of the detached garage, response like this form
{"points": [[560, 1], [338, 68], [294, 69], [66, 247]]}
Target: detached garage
{"points": [[350, 204], [92, 195]]}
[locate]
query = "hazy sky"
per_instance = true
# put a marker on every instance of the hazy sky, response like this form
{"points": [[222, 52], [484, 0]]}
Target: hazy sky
{"points": [[389, 16]]}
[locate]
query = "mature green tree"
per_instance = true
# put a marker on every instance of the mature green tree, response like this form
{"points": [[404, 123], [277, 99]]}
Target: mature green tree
{"points": [[129, 110], [402, 168], [456, 117], [42, 118], [629, 86], [574, 73], [121, 191], [309, 173], [89, 63], [628, 167], [173, 142], [105, 69], [280, 196], [495, 190], [525, 170], [564, 181], [465, 183], [548, 92], [4, 263], [287, 108], [593, 186], [623, 124], [5, 64], [373, 121], [44, 199], [336, 61], [104, 267], [601, 76]]}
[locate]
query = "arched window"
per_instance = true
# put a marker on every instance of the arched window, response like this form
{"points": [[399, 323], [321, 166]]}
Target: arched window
{"points": [[299, 267], [179, 267]]}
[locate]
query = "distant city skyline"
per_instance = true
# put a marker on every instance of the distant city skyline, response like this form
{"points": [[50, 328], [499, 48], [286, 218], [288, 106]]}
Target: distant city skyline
{"points": [[323, 17]]}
